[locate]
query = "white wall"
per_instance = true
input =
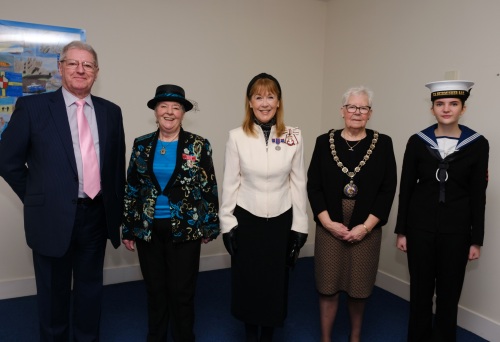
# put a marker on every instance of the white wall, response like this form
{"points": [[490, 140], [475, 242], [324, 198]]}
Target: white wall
{"points": [[395, 47], [317, 49], [212, 48]]}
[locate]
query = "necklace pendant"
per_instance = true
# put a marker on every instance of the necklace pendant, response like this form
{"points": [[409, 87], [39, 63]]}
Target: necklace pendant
{"points": [[350, 190], [163, 151]]}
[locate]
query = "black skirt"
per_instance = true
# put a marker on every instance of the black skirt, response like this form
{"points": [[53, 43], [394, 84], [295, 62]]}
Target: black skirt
{"points": [[258, 268]]}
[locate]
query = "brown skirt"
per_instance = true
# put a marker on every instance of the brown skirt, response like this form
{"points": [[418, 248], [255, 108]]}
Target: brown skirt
{"points": [[342, 266]]}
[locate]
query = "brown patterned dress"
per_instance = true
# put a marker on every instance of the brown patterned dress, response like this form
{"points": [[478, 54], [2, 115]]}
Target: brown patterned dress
{"points": [[341, 266]]}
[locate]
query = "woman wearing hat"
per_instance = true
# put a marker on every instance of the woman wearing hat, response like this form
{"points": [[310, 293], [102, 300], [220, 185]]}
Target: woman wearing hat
{"points": [[171, 207], [263, 211], [351, 183], [440, 221]]}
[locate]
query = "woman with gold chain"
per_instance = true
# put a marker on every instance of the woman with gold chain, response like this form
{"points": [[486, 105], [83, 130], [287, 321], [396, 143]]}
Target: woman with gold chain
{"points": [[351, 185]]}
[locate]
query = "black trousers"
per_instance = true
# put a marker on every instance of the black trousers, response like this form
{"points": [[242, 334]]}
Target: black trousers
{"points": [[170, 271], [437, 264], [82, 263]]}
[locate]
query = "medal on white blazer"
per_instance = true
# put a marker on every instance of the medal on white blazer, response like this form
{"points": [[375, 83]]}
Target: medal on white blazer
{"points": [[277, 141]]}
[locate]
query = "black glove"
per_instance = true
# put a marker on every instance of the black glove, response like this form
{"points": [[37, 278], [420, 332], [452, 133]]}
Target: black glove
{"points": [[229, 239], [295, 242]]}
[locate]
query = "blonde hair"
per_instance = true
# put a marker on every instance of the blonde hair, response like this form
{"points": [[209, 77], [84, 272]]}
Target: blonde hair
{"points": [[261, 86]]}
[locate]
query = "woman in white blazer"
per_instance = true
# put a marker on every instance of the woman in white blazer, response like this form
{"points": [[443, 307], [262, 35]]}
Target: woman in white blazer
{"points": [[263, 212]]}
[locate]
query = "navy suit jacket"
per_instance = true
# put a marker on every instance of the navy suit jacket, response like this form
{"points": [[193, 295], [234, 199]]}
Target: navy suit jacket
{"points": [[38, 162]]}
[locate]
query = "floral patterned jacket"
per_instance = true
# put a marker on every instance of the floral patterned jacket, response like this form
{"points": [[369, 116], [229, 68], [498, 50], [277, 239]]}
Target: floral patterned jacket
{"points": [[192, 190]]}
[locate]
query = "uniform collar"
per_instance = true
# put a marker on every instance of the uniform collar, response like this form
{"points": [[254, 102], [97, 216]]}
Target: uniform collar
{"points": [[466, 137]]}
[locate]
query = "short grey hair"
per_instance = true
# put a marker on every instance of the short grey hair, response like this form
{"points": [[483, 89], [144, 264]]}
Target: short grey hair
{"points": [[361, 90], [76, 44]]}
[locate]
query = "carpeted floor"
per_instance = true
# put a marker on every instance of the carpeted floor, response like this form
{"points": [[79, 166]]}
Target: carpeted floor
{"points": [[124, 313]]}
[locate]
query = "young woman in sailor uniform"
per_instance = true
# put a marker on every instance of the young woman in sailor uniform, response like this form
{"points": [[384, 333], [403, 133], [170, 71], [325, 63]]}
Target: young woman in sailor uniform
{"points": [[440, 221]]}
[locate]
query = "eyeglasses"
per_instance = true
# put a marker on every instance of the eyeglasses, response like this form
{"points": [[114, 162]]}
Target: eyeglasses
{"points": [[362, 110], [73, 64]]}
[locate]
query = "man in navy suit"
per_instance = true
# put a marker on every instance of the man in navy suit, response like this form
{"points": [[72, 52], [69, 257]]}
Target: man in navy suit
{"points": [[41, 160]]}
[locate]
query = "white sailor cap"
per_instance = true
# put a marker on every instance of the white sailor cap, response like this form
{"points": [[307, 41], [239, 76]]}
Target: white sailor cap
{"points": [[452, 88]]}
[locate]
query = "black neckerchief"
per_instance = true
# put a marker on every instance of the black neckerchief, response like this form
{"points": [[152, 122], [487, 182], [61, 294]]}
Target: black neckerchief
{"points": [[442, 171], [427, 135], [266, 127]]}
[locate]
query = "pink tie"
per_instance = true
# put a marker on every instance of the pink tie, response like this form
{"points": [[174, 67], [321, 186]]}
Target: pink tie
{"points": [[91, 175]]}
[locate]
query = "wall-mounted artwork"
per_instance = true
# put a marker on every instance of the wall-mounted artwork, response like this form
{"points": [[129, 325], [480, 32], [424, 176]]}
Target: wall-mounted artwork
{"points": [[29, 55]]}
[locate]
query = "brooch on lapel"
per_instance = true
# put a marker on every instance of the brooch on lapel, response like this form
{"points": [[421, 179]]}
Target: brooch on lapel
{"points": [[291, 136], [190, 160], [188, 157]]}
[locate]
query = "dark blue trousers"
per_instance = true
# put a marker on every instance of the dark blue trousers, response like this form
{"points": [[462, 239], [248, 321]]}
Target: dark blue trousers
{"points": [[82, 264]]}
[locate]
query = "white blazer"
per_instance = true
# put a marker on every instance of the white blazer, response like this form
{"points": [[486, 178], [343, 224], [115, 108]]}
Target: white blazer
{"points": [[264, 180]]}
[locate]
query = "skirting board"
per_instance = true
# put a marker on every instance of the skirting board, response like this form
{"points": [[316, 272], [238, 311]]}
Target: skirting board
{"points": [[472, 321], [27, 287]]}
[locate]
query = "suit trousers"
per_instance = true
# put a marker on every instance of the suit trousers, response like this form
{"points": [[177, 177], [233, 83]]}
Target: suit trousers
{"points": [[82, 263], [437, 263], [170, 271]]}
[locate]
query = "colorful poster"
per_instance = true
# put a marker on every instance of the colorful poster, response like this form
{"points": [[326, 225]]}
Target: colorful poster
{"points": [[29, 56]]}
